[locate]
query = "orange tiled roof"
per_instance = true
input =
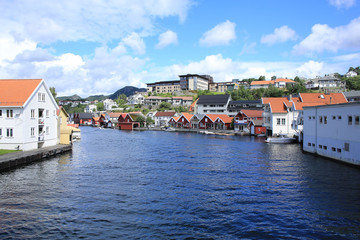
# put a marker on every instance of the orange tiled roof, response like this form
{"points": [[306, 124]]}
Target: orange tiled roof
{"points": [[252, 113], [188, 116], [300, 105], [213, 117], [96, 118], [284, 80], [175, 118], [335, 98], [165, 114], [277, 105], [192, 106], [225, 118], [115, 115], [15, 92], [262, 82]]}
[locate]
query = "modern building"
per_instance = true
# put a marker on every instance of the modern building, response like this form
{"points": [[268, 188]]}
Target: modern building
{"points": [[28, 118], [333, 131], [279, 83], [235, 106], [222, 86], [214, 104], [195, 82], [164, 87]]}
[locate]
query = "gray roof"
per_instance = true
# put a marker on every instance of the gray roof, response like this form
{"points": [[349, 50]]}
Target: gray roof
{"points": [[352, 94], [213, 99], [85, 115], [246, 102]]}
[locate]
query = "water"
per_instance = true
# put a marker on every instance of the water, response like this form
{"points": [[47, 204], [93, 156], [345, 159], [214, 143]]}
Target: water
{"points": [[166, 185]]}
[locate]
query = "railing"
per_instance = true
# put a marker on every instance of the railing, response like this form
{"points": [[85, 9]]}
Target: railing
{"points": [[41, 138], [41, 121]]}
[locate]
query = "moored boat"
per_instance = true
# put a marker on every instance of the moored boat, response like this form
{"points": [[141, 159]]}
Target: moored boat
{"points": [[280, 139]]}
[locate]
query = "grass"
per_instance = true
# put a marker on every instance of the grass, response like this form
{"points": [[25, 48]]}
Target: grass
{"points": [[5, 151]]}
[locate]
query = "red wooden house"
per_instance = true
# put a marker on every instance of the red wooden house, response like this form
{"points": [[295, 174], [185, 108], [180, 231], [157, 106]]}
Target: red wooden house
{"points": [[95, 122], [184, 120], [223, 122], [127, 121], [256, 127], [173, 121], [215, 121], [243, 118]]}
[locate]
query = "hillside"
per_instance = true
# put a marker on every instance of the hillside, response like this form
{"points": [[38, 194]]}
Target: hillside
{"points": [[128, 91], [70, 98]]}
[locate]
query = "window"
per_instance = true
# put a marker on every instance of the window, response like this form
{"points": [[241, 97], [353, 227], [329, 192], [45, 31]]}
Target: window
{"points": [[32, 131], [321, 119], [313, 144], [32, 113], [356, 120], [43, 97], [278, 121], [9, 113], [9, 132], [0, 113], [320, 146], [333, 117], [325, 147], [47, 130], [339, 150], [325, 119], [0, 132], [283, 121], [346, 146], [39, 97], [309, 144], [309, 117], [339, 117], [333, 149], [47, 113], [313, 117], [349, 120]]}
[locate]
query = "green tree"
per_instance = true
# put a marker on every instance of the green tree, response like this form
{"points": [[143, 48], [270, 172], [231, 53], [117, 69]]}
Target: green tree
{"points": [[165, 106], [121, 100], [149, 121], [141, 120], [353, 83], [262, 78], [100, 106], [54, 94], [272, 91], [273, 78]]}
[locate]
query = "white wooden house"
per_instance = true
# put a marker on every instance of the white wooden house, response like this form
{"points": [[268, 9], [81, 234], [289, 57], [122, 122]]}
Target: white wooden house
{"points": [[28, 118]]}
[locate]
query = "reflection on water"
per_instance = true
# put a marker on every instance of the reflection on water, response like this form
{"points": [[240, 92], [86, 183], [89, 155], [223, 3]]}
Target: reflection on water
{"points": [[118, 184]]}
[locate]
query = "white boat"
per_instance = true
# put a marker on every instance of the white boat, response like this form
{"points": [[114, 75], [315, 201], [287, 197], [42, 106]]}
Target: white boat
{"points": [[170, 129], [280, 139]]}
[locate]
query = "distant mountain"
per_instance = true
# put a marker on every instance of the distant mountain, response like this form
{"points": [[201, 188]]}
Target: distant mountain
{"points": [[128, 91], [96, 97], [70, 98]]}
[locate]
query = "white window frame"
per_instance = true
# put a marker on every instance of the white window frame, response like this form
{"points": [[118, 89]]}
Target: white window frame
{"points": [[32, 113], [10, 132], [9, 113], [32, 132]]}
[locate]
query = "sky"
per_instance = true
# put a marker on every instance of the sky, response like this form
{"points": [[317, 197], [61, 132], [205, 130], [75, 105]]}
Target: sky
{"points": [[91, 47]]}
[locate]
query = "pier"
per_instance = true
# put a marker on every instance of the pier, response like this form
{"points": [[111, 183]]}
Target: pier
{"points": [[16, 159]]}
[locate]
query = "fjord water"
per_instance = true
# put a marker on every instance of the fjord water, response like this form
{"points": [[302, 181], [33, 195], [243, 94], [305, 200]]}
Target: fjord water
{"points": [[166, 185]]}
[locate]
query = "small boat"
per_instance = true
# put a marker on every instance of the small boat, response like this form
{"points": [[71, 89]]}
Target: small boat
{"points": [[170, 129], [280, 139]]}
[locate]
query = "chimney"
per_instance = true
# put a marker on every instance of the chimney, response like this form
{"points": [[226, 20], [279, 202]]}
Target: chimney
{"points": [[290, 98], [330, 99]]}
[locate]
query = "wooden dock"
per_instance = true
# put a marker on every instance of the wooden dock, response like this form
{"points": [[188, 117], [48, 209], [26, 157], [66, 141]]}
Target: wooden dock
{"points": [[16, 159]]}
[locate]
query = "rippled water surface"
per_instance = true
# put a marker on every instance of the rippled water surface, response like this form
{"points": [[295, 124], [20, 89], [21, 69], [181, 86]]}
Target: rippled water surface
{"points": [[166, 185]]}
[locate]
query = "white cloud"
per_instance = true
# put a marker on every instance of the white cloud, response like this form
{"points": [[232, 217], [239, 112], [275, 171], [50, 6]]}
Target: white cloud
{"points": [[167, 38], [248, 48], [311, 69], [342, 3], [221, 34], [324, 38], [135, 42], [280, 35], [103, 21], [10, 47]]}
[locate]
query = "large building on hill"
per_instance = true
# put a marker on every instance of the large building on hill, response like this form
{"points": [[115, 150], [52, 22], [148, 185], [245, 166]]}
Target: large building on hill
{"points": [[28, 115], [195, 82], [164, 87], [215, 104]]}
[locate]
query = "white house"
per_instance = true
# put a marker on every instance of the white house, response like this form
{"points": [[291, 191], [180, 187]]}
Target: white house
{"points": [[90, 108], [162, 118], [137, 98], [214, 104], [28, 118], [109, 104], [333, 131]]}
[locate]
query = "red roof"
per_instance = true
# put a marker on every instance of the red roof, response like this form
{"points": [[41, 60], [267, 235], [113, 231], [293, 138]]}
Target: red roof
{"points": [[15, 92], [284, 80], [188, 116], [165, 114], [332, 98], [192, 106], [175, 118], [277, 105], [262, 82], [252, 113], [115, 115], [223, 117]]}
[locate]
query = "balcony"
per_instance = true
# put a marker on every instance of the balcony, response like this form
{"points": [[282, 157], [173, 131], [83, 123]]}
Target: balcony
{"points": [[41, 121], [41, 138]]}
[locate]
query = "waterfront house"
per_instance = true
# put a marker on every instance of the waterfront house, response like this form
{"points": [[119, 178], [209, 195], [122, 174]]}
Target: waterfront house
{"points": [[256, 127], [283, 115], [173, 121], [114, 118], [215, 121], [235, 106], [184, 120], [104, 120], [195, 120], [66, 132], [333, 131], [243, 118], [83, 118], [28, 117], [162, 118], [95, 121], [128, 121], [212, 104]]}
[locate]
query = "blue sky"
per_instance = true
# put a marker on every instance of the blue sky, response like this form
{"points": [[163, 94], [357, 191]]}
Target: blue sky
{"points": [[97, 47]]}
